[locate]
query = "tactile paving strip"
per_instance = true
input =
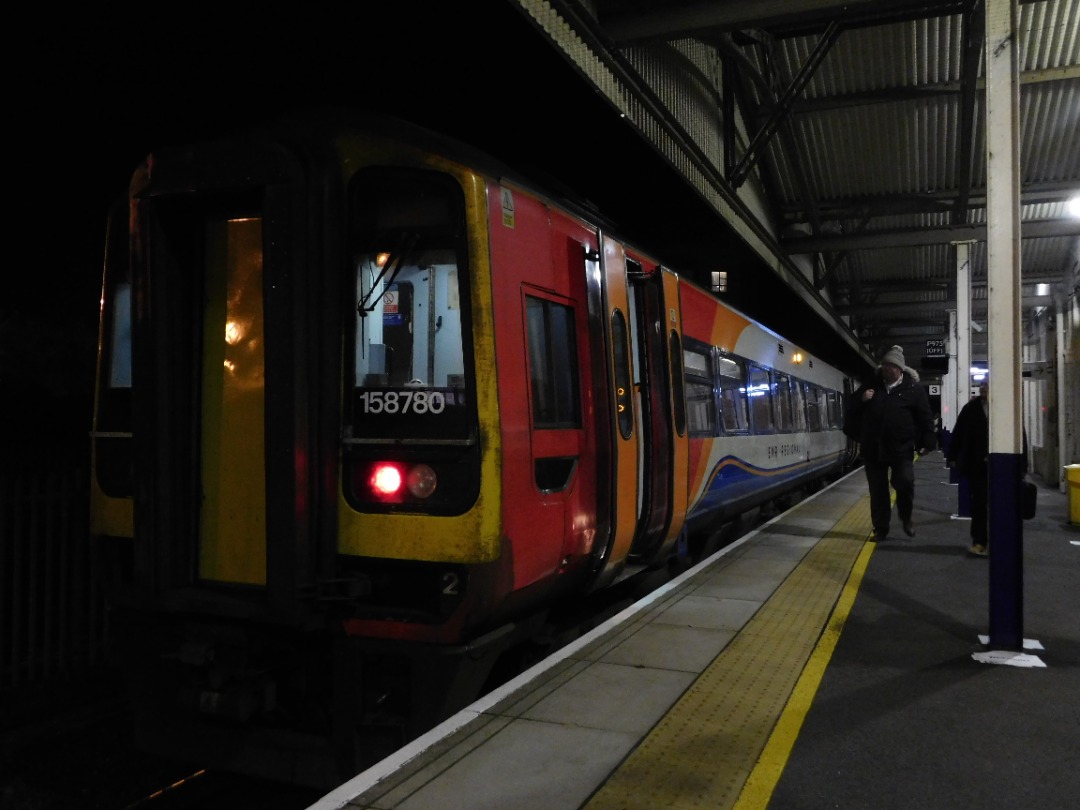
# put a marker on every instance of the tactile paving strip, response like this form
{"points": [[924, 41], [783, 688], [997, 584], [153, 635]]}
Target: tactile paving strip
{"points": [[701, 754]]}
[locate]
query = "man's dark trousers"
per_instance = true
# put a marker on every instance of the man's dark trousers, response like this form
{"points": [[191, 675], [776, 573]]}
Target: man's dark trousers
{"points": [[903, 481]]}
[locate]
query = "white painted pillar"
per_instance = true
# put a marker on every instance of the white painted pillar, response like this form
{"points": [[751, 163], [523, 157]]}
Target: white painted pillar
{"points": [[950, 403], [1061, 401], [1003, 226], [1003, 324], [963, 323]]}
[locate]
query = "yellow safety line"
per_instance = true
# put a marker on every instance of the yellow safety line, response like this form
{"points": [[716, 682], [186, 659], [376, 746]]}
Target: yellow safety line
{"points": [[770, 765], [705, 751]]}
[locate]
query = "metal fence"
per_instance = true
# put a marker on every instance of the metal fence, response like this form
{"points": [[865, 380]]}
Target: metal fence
{"points": [[51, 610]]}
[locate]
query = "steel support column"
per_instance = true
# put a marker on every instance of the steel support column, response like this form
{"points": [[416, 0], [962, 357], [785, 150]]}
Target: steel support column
{"points": [[1004, 324]]}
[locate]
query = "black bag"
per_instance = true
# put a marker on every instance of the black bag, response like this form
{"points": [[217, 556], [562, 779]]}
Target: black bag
{"points": [[852, 427], [1030, 493]]}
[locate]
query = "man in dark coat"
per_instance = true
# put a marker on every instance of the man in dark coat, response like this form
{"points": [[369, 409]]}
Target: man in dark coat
{"points": [[893, 419], [969, 449]]}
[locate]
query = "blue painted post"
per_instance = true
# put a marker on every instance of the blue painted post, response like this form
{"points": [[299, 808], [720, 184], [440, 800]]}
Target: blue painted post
{"points": [[1006, 533], [963, 491], [963, 494]]}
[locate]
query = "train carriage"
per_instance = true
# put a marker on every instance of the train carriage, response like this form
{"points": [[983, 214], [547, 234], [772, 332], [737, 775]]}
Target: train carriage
{"points": [[764, 414], [369, 407]]}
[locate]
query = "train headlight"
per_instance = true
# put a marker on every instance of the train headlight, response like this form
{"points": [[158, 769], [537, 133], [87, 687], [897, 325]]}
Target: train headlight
{"points": [[421, 481]]}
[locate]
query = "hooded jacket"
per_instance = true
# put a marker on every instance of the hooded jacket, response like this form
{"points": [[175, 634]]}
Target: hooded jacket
{"points": [[970, 442], [893, 424], [969, 446]]}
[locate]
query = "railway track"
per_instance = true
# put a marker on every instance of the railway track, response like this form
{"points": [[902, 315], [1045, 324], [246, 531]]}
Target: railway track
{"points": [[85, 758]]}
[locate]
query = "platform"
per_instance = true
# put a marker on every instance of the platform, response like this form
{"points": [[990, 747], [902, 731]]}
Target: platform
{"points": [[801, 667]]}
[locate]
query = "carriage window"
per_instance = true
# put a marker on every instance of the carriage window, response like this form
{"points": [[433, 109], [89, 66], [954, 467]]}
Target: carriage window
{"points": [[798, 405], [733, 394], [120, 342], [813, 407], [700, 401], [678, 394], [761, 404], [553, 370], [836, 416], [782, 399], [113, 449]]}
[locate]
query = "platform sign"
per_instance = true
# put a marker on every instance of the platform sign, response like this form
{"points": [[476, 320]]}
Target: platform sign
{"points": [[935, 348], [935, 390]]}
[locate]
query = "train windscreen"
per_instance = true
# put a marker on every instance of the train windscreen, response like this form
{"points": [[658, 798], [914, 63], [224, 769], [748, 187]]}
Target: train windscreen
{"points": [[409, 368], [408, 356]]}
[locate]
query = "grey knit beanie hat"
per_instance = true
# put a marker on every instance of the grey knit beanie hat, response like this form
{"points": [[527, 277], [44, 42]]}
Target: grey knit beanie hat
{"points": [[895, 355]]}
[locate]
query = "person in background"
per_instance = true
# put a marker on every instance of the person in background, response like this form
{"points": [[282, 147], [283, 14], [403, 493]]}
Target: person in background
{"points": [[969, 452], [891, 416]]}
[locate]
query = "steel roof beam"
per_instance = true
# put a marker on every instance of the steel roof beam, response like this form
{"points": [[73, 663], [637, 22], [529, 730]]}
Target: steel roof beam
{"points": [[906, 310], [930, 202], [908, 237], [912, 93], [783, 18], [974, 27], [757, 145]]}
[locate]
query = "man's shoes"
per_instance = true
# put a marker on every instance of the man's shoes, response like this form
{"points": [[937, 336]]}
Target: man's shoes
{"points": [[978, 551], [909, 528], [879, 535]]}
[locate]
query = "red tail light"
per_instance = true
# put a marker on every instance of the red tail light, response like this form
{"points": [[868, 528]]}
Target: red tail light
{"points": [[391, 481], [386, 480]]}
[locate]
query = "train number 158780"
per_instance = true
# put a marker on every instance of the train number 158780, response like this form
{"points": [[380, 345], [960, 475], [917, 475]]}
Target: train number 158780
{"points": [[418, 402]]}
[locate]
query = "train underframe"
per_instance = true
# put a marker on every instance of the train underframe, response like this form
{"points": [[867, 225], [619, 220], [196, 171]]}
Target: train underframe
{"points": [[291, 705]]}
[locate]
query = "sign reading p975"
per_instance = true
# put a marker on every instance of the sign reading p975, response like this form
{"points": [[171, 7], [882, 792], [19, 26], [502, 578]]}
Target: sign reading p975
{"points": [[935, 348]]}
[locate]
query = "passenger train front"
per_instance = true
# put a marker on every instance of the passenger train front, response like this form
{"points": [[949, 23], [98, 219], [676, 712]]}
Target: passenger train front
{"points": [[368, 407]]}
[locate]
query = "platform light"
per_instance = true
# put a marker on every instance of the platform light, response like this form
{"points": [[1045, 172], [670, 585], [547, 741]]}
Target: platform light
{"points": [[1073, 206]]}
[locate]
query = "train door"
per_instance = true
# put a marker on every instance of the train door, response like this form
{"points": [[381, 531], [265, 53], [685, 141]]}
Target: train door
{"points": [[647, 374], [546, 285], [654, 429], [211, 280], [232, 451]]}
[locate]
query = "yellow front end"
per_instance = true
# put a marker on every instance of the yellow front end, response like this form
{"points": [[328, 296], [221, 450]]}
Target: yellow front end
{"points": [[473, 536]]}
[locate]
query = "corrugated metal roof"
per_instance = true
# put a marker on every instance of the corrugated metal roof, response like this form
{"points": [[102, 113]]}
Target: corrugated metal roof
{"points": [[878, 163]]}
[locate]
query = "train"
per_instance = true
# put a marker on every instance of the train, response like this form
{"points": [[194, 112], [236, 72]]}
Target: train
{"points": [[370, 406]]}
